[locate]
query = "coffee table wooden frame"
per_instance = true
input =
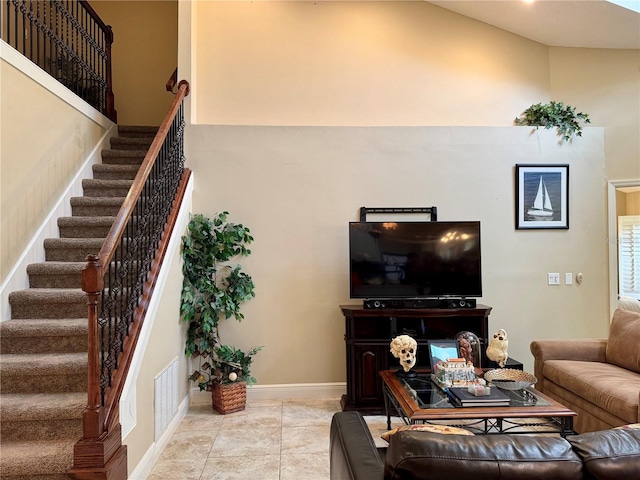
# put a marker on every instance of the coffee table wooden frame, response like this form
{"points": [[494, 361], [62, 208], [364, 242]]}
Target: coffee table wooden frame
{"points": [[554, 418]]}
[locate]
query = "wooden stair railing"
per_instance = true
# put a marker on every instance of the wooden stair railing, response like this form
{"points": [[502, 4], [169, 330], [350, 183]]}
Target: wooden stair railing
{"points": [[119, 282]]}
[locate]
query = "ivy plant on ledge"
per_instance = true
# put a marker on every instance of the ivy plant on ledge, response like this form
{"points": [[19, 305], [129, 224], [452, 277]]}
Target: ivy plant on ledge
{"points": [[213, 290], [554, 114]]}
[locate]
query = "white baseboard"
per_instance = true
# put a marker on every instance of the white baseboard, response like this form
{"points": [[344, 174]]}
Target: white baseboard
{"points": [[282, 391]]}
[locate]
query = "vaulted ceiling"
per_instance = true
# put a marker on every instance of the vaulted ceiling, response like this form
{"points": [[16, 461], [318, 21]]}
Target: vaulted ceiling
{"points": [[558, 23]]}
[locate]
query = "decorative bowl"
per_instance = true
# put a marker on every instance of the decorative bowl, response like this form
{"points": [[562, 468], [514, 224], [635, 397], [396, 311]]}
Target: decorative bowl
{"points": [[509, 378]]}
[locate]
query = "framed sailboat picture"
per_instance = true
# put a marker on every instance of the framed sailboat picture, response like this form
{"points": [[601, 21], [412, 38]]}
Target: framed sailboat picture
{"points": [[542, 196]]}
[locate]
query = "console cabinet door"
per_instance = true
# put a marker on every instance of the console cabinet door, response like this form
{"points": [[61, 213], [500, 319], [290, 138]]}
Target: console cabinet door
{"points": [[369, 360]]}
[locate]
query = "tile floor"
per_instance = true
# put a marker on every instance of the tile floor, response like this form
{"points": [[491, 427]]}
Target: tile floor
{"points": [[273, 439]]}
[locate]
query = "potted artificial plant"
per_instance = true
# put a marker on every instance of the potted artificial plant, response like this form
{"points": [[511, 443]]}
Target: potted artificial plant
{"points": [[213, 290], [554, 114]]}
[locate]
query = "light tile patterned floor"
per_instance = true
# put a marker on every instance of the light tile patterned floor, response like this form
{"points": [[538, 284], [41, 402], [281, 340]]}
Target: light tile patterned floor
{"points": [[274, 439], [269, 440]]}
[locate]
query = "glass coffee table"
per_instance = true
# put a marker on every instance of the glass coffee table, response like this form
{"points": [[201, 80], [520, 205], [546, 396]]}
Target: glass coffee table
{"points": [[418, 400]]}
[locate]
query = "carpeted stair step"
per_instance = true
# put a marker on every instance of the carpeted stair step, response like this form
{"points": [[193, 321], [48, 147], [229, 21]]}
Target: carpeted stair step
{"points": [[48, 303], [36, 335], [44, 416], [123, 157], [96, 206], [44, 372], [137, 131], [132, 143], [37, 460], [55, 274], [71, 249], [102, 171], [85, 227], [106, 188]]}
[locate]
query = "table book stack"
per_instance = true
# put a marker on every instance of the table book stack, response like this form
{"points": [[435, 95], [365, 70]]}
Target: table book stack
{"points": [[461, 397]]}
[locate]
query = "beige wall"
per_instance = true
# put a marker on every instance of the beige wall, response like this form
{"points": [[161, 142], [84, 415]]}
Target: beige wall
{"points": [[604, 84], [43, 143], [286, 81], [301, 186], [145, 54], [359, 63]]}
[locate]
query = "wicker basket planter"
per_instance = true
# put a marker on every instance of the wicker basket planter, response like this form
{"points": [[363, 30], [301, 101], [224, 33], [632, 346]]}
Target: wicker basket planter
{"points": [[229, 398]]}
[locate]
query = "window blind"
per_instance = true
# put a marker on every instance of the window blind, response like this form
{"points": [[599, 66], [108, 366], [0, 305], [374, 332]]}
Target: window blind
{"points": [[629, 256]]}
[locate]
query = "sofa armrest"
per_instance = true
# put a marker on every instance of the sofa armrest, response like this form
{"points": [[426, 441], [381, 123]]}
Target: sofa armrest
{"points": [[353, 452], [586, 350]]}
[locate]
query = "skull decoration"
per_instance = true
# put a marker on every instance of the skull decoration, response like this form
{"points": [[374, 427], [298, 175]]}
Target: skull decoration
{"points": [[403, 347]]}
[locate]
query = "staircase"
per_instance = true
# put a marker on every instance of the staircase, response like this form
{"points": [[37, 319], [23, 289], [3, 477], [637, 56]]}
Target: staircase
{"points": [[43, 361]]}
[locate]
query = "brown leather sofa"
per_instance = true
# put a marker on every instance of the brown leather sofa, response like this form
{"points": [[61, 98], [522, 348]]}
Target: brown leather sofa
{"points": [[598, 379], [411, 455]]}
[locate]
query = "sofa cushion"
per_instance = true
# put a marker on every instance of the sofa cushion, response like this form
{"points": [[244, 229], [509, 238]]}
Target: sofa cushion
{"points": [[611, 388], [411, 454], [609, 454], [624, 338]]}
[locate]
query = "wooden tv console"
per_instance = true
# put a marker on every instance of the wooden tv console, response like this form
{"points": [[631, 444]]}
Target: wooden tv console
{"points": [[368, 333]]}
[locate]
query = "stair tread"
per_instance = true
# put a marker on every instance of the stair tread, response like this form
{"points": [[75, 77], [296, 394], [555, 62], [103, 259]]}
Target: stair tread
{"points": [[41, 406], [97, 200], [36, 457]]}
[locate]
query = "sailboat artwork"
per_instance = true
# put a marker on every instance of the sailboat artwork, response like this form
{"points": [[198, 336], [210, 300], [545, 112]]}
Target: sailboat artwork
{"points": [[541, 207]]}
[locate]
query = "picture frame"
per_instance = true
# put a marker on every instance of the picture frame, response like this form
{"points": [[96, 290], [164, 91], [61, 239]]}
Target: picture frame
{"points": [[542, 196], [441, 350]]}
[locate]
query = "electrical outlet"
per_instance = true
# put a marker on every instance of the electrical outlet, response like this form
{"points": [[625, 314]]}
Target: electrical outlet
{"points": [[568, 279], [553, 279]]}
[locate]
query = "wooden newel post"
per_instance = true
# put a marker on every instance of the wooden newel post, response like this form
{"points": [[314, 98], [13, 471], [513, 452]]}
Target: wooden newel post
{"points": [[99, 455], [92, 284], [111, 112]]}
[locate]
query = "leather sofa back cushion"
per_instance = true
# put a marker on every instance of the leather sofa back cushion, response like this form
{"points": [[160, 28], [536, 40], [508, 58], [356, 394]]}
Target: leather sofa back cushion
{"points": [[609, 454], [411, 454], [624, 338]]}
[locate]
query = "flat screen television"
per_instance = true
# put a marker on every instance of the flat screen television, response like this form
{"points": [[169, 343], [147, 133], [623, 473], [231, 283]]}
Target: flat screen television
{"points": [[415, 259]]}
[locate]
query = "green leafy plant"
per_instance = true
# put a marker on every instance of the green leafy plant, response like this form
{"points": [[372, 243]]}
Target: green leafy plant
{"points": [[554, 114], [213, 290]]}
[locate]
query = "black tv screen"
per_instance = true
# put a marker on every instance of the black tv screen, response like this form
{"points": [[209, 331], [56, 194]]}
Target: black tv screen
{"points": [[415, 259]]}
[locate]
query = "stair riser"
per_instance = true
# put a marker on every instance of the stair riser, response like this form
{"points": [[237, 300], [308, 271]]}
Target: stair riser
{"points": [[95, 211], [91, 191], [56, 280], [22, 383], [53, 280], [42, 344], [115, 175], [36, 309], [50, 429], [61, 254], [114, 160], [79, 231], [131, 143]]}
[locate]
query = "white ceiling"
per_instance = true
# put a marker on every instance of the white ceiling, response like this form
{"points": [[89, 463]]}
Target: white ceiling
{"points": [[558, 23]]}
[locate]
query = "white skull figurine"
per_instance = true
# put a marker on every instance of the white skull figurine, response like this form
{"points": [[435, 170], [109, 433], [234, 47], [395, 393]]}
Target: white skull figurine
{"points": [[498, 349], [403, 347]]}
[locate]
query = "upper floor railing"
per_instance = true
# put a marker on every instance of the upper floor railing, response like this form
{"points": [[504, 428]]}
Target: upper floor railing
{"points": [[68, 40]]}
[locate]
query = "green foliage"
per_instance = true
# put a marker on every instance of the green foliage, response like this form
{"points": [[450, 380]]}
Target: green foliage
{"points": [[231, 360], [214, 290], [554, 114]]}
